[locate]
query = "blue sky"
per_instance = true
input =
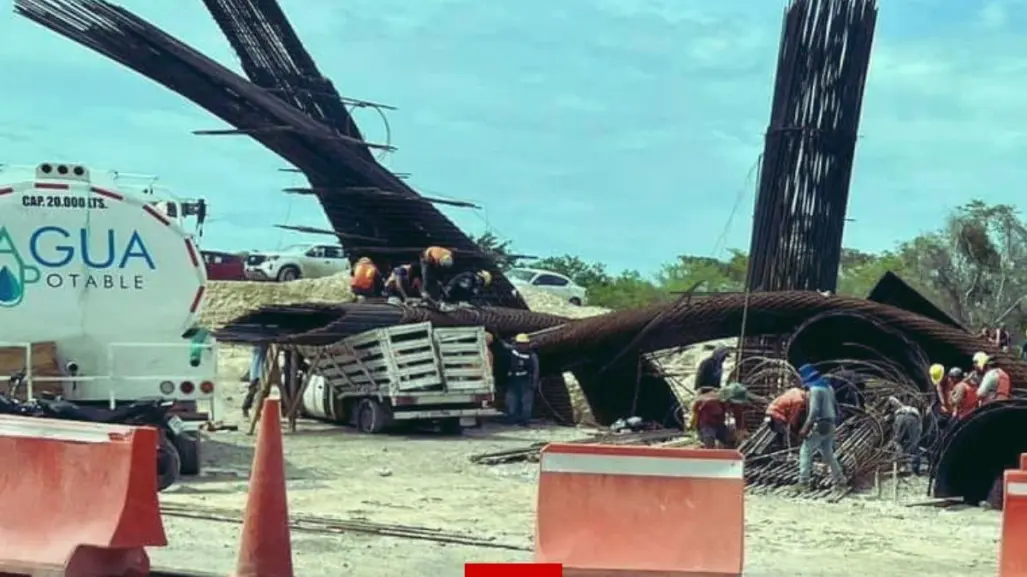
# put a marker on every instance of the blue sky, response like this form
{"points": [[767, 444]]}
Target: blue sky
{"points": [[623, 131]]}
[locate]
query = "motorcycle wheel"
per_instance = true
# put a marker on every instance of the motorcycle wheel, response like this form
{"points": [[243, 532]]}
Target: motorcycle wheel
{"points": [[169, 464]]}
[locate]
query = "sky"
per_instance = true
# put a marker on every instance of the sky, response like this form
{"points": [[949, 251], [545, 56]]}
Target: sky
{"points": [[622, 131]]}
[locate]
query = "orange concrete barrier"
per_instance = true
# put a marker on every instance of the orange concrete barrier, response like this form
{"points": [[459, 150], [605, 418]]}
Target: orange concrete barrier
{"points": [[77, 499], [619, 510], [1012, 558], [266, 546]]}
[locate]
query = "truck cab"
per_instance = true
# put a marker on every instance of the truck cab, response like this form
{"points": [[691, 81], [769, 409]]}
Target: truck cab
{"points": [[92, 266]]}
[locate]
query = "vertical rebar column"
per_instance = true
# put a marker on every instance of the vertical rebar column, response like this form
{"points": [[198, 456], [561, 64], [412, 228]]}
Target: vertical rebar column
{"points": [[810, 144]]}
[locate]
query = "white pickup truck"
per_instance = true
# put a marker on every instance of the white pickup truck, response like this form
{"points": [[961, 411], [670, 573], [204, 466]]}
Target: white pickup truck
{"points": [[414, 374]]}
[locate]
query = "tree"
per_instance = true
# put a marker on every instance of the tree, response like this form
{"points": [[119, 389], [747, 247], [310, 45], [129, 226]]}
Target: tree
{"points": [[627, 290], [586, 274], [499, 250], [715, 275], [975, 265]]}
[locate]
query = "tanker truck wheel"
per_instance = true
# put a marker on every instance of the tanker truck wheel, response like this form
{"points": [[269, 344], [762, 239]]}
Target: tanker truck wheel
{"points": [[169, 464], [188, 445]]}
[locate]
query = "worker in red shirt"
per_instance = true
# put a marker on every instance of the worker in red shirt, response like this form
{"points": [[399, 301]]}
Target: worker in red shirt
{"points": [[995, 384], [964, 400], [784, 413], [710, 411]]}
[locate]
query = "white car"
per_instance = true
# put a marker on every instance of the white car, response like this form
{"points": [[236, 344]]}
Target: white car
{"points": [[550, 282], [294, 262]]}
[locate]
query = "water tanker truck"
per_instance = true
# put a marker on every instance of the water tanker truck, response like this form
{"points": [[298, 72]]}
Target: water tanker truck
{"points": [[111, 281]]}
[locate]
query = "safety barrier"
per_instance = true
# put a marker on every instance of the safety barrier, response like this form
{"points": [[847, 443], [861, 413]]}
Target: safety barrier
{"points": [[618, 510], [77, 499]]}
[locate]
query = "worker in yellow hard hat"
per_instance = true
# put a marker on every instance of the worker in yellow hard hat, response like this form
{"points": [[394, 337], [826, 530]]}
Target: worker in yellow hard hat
{"points": [[466, 286], [522, 379]]}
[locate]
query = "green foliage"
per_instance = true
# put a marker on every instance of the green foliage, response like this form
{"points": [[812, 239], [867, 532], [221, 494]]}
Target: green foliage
{"points": [[974, 266], [499, 250]]}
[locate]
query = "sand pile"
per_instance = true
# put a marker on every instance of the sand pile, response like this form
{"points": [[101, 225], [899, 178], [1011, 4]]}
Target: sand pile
{"points": [[226, 301]]}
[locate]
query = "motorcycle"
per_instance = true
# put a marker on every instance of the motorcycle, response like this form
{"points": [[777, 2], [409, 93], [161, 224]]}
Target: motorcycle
{"points": [[153, 412]]}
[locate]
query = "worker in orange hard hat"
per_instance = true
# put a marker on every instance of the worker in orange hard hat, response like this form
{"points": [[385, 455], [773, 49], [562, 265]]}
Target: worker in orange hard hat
{"points": [[434, 260], [366, 281]]}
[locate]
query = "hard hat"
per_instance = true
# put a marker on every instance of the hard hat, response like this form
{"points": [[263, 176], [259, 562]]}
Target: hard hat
{"points": [[808, 374], [446, 260], [980, 359], [522, 338], [937, 373], [486, 277], [734, 393], [364, 260], [955, 373]]}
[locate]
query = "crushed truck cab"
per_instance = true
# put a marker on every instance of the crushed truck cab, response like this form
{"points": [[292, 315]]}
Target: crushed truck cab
{"points": [[106, 275]]}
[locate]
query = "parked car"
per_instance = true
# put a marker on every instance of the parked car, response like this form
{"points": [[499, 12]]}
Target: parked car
{"points": [[295, 262], [223, 265], [550, 282]]}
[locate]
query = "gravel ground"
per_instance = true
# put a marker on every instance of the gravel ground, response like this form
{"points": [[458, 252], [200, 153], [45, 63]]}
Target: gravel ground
{"points": [[427, 481]]}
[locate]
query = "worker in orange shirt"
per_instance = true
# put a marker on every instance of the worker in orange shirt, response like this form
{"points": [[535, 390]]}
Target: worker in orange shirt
{"points": [[710, 411], [963, 400], [434, 260], [366, 281], [784, 413], [995, 384]]}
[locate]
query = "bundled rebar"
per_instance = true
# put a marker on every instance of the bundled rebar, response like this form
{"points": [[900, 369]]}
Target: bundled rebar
{"points": [[810, 145]]}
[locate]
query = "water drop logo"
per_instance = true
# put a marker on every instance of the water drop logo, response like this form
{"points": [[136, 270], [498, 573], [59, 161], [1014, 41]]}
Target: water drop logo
{"points": [[14, 273]]}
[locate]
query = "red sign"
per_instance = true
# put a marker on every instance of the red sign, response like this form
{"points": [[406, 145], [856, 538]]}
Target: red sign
{"points": [[513, 570]]}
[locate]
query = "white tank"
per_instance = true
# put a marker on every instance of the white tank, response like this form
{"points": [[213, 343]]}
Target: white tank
{"points": [[85, 264]]}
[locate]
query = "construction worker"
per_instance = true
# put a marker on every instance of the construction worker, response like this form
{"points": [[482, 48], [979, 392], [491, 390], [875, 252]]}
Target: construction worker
{"points": [[977, 368], [908, 429], [403, 283], [709, 415], [366, 280], [963, 400], [711, 371], [467, 285], [433, 260], [522, 378], [995, 384], [942, 386], [818, 431], [257, 359], [783, 414]]}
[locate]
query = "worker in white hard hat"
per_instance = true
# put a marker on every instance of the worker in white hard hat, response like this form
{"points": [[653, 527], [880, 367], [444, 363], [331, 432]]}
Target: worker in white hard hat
{"points": [[522, 379], [466, 286], [978, 361]]}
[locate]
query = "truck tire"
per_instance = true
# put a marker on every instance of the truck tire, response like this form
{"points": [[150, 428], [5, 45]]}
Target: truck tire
{"points": [[288, 273], [371, 417], [169, 464], [450, 427], [575, 301], [188, 445]]}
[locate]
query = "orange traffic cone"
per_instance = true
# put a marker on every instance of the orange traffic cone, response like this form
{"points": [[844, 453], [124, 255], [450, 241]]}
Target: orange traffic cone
{"points": [[266, 549]]}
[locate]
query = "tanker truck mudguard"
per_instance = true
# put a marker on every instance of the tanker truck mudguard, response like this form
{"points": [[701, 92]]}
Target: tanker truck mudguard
{"points": [[104, 273]]}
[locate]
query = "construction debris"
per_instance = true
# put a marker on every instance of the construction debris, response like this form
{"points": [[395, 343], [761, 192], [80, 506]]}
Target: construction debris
{"points": [[531, 452]]}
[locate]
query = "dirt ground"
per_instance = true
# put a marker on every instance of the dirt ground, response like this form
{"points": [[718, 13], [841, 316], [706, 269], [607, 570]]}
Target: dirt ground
{"points": [[427, 481]]}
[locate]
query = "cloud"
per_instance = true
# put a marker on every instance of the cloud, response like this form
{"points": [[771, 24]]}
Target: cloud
{"points": [[620, 130]]}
